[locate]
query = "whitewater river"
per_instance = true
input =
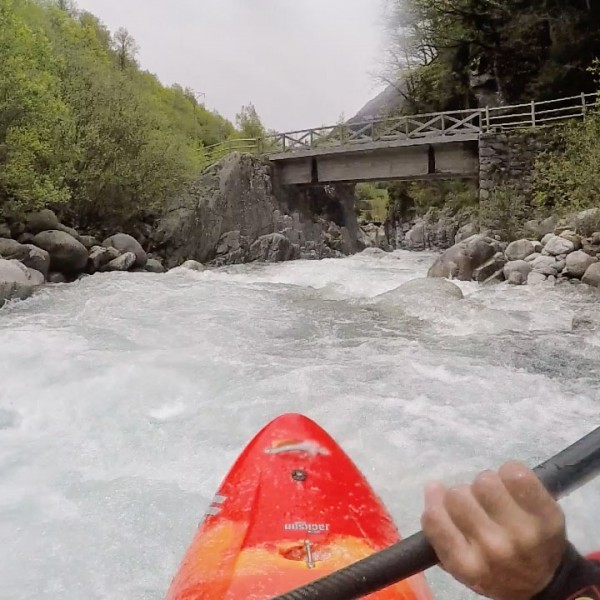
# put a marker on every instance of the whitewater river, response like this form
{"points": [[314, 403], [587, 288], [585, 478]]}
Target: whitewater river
{"points": [[124, 399]]}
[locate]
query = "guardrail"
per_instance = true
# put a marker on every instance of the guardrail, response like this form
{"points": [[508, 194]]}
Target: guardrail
{"points": [[414, 127]]}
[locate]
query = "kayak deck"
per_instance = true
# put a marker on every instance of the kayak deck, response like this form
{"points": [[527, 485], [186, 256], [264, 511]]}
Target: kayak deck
{"points": [[292, 509]]}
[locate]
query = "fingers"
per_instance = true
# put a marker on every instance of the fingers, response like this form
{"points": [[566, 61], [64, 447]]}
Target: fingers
{"points": [[526, 489], [448, 541]]}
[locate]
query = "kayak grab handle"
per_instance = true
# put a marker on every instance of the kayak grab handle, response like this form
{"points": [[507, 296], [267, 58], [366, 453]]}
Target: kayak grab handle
{"points": [[561, 474]]}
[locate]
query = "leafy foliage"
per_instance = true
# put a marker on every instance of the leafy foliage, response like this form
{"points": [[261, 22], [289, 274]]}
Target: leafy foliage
{"points": [[520, 49], [83, 128], [569, 180]]}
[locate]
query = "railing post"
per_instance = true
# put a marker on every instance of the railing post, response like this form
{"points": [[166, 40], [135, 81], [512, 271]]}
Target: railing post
{"points": [[312, 138], [443, 124], [533, 113], [583, 104], [283, 136]]}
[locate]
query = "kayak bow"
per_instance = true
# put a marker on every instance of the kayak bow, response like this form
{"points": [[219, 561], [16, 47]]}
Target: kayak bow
{"points": [[293, 509]]}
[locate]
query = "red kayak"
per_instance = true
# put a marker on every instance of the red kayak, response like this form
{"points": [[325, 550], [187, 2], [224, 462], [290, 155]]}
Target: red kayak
{"points": [[292, 509]]}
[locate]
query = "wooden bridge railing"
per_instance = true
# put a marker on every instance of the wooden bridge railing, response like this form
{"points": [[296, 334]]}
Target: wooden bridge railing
{"points": [[451, 123], [412, 127]]}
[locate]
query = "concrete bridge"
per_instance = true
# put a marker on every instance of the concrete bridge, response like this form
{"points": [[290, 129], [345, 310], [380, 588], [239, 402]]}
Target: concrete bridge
{"points": [[418, 147]]}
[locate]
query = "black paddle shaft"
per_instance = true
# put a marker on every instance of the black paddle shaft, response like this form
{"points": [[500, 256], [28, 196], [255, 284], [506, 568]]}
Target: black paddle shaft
{"points": [[561, 474]]}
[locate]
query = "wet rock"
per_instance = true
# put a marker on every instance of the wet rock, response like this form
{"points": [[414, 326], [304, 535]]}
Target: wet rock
{"points": [[36, 277], [423, 289], [15, 281], [44, 220], [577, 263], [125, 243], [516, 271], [535, 278], [193, 265], [272, 248], [462, 259], [56, 278], [416, 238], [154, 266], [592, 275], [490, 268], [519, 250], [123, 263], [67, 255], [557, 245]]}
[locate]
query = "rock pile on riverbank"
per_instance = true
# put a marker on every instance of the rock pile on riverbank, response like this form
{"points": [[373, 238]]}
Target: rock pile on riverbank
{"points": [[48, 251], [570, 253]]}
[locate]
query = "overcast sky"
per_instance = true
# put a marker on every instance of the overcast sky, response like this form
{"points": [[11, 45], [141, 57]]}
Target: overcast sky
{"points": [[301, 62]]}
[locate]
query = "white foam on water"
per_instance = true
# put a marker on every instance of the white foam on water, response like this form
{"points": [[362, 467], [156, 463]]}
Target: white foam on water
{"points": [[124, 400]]}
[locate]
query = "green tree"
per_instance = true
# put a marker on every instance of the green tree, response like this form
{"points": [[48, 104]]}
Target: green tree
{"points": [[33, 118], [249, 123]]}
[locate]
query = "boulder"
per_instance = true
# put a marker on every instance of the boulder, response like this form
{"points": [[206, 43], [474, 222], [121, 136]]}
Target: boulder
{"points": [[548, 225], [577, 263], [15, 281], [463, 258], [557, 245], [532, 257], [519, 250], [26, 238], [517, 271], [67, 255], [592, 275], [422, 290], [123, 263], [572, 237], [490, 268], [537, 246], [89, 241], [72, 232], [193, 265], [272, 248], [36, 277], [31, 256], [125, 243], [465, 232], [547, 238], [546, 265], [44, 220], [37, 259], [535, 278], [595, 238], [56, 278], [10, 248], [589, 247], [416, 238], [154, 266], [4, 230], [100, 256], [588, 221]]}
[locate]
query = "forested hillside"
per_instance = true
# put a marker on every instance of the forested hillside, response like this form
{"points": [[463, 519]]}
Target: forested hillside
{"points": [[83, 128], [463, 53]]}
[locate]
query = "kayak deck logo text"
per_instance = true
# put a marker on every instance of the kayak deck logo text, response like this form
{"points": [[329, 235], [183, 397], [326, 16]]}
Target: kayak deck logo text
{"points": [[308, 527]]}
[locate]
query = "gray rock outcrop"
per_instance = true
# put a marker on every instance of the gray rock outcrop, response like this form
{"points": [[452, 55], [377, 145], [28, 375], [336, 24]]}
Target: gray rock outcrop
{"points": [[460, 261], [125, 243]]}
